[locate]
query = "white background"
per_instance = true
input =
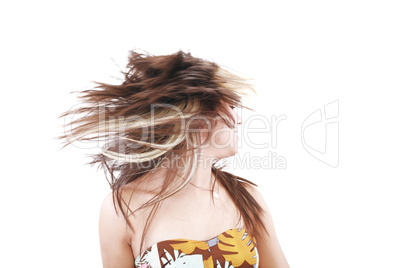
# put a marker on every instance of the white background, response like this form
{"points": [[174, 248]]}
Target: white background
{"points": [[302, 54]]}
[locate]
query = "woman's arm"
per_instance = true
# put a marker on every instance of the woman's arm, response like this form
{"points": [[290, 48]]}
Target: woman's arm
{"points": [[114, 242], [269, 250]]}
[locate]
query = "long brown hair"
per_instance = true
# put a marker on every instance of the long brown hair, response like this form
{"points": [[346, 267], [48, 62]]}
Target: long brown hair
{"points": [[144, 121]]}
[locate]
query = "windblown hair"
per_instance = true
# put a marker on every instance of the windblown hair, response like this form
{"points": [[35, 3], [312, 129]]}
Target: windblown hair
{"points": [[145, 122]]}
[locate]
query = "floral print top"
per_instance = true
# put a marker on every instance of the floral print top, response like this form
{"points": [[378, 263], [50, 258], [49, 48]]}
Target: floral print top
{"points": [[231, 249]]}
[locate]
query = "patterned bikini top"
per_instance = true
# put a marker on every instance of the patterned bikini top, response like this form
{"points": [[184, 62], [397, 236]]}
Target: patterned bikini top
{"points": [[230, 249]]}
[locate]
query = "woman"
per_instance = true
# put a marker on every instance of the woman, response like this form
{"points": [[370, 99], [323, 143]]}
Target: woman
{"points": [[166, 126]]}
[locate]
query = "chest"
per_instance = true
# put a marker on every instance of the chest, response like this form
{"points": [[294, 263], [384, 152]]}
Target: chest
{"points": [[232, 248], [196, 219]]}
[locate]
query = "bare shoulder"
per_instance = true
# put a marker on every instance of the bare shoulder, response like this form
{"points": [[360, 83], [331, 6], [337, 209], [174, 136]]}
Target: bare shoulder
{"points": [[111, 221], [107, 203], [108, 213], [271, 254], [255, 192], [251, 188], [112, 218], [266, 216], [113, 236]]}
